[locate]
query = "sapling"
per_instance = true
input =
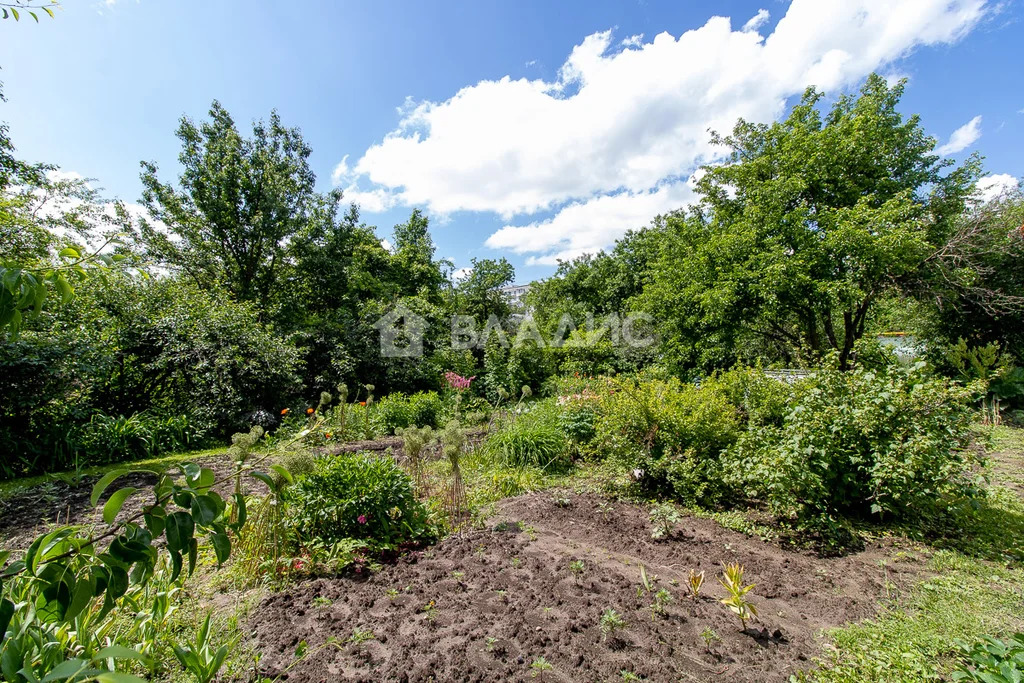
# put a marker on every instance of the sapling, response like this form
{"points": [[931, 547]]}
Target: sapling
{"points": [[709, 637], [732, 579]]}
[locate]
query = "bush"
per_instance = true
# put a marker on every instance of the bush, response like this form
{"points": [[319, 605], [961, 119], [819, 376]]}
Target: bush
{"points": [[114, 439], [759, 398], [425, 409], [532, 439], [862, 444], [671, 431], [391, 414], [992, 660], [358, 496]]}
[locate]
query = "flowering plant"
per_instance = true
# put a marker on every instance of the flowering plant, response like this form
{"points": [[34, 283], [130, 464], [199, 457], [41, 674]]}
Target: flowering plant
{"points": [[457, 381]]}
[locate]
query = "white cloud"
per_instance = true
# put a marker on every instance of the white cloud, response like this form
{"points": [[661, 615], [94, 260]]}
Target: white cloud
{"points": [[962, 138], [589, 226], [757, 21], [995, 185], [634, 41], [619, 127], [386, 243], [460, 273]]}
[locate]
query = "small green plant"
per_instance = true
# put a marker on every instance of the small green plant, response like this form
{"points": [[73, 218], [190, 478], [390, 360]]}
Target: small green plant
{"points": [[321, 601], [392, 593], [646, 582], [606, 509], [628, 675], [577, 568], [516, 562], [199, 658], [561, 501], [490, 643], [361, 636], [664, 518], [661, 600], [453, 445], [540, 666], [696, 581], [414, 441], [732, 580], [709, 637], [429, 609], [611, 623], [992, 660]]}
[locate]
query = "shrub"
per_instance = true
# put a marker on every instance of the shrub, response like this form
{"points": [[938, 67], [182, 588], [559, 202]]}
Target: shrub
{"points": [[358, 496], [391, 414], [992, 660], [673, 432], [759, 398], [862, 444], [425, 409]]}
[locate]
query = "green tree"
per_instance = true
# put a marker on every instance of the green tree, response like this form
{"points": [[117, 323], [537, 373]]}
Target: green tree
{"points": [[810, 222], [240, 201], [478, 294]]}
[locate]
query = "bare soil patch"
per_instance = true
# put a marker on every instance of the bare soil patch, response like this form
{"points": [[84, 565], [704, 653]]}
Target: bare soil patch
{"points": [[483, 605]]}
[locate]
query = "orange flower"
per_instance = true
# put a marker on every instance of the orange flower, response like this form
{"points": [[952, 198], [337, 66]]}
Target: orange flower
{"points": [[284, 412], [362, 403], [327, 435], [310, 411]]}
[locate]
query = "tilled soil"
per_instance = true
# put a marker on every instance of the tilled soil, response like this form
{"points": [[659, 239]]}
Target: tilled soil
{"points": [[486, 604]]}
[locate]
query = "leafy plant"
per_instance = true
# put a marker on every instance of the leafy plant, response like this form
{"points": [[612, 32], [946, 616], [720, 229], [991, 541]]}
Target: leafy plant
{"points": [[199, 658], [530, 440], [709, 637], [661, 600], [696, 581], [358, 496], [453, 444], [732, 580], [540, 666], [577, 568], [664, 518], [611, 623], [992, 660]]}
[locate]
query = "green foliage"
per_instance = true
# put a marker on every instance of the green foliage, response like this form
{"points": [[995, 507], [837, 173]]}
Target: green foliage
{"points": [[664, 518], [864, 444], [107, 439], [390, 414], [532, 439], [199, 658], [672, 432], [358, 496], [425, 409], [611, 623], [992, 660], [736, 601]]}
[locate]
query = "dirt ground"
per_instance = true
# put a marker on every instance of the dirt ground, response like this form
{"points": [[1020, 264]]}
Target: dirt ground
{"points": [[484, 605]]}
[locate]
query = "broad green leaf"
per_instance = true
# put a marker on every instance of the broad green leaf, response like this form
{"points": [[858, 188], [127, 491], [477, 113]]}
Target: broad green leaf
{"points": [[180, 528], [119, 652], [116, 502], [103, 483], [222, 547], [6, 614]]}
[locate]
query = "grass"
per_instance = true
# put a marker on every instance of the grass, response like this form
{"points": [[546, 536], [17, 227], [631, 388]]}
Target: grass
{"points": [[9, 488]]}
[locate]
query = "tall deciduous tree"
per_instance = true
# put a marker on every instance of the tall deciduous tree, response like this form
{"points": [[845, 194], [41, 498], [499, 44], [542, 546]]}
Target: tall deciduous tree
{"points": [[240, 200], [811, 220]]}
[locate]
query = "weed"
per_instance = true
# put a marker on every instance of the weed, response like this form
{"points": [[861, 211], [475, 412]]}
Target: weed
{"points": [[664, 518], [628, 676], [199, 658], [561, 502], [709, 637], [322, 601], [606, 509], [661, 599], [577, 568], [392, 593], [539, 666], [361, 636], [611, 623]]}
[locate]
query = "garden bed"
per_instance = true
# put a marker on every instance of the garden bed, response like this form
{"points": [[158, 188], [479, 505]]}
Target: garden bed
{"points": [[486, 604]]}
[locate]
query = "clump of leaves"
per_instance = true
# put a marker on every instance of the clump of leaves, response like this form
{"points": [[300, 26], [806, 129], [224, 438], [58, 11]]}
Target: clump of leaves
{"points": [[361, 636], [561, 501], [992, 660], [540, 666], [606, 509], [732, 580], [611, 623], [629, 676], [577, 568], [199, 658], [664, 518], [696, 581], [709, 637], [661, 599]]}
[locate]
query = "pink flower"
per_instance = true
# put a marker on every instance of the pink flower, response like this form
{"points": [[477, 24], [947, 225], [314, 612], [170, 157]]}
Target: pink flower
{"points": [[458, 382], [361, 519]]}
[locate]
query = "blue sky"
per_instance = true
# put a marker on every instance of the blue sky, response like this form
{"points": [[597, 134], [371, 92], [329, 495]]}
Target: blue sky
{"points": [[597, 127]]}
